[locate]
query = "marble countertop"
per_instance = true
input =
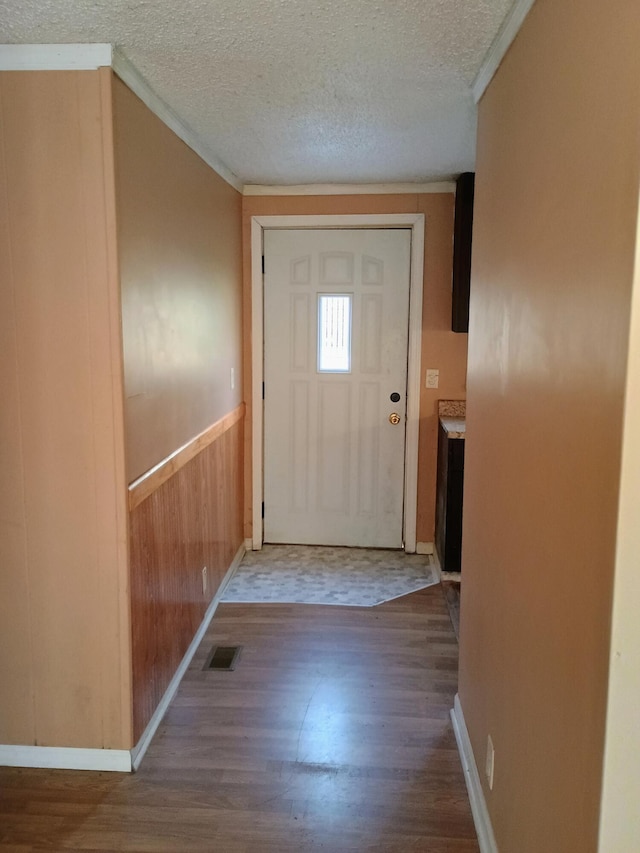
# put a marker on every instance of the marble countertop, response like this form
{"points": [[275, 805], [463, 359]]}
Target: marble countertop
{"points": [[452, 408], [454, 427], [452, 415]]}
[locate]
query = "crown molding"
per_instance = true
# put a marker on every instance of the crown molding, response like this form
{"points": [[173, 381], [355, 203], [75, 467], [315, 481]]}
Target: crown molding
{"points": [[500, 45], [130, 75], [89, 57], [54, 57], [349, 189]]}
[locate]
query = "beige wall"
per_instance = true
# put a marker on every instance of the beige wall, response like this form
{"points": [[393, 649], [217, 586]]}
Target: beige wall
{"points": [[64, 632], [180, 265], [555, 229], [620, 815], [441, 348]]}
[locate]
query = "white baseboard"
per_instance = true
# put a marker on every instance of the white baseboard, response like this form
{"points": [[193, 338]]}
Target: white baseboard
{"points": [[444, 576], [481, 818], [121, 760], [65, 758], [456, 577], [424, 548], [137, 753]]}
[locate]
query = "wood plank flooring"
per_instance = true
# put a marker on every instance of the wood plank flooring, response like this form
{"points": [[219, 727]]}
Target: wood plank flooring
{"points": [[332, 734], [452, 591]]}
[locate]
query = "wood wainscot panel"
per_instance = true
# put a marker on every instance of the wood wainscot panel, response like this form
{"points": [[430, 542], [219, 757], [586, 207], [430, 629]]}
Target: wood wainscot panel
{"points": [[185, 514]]}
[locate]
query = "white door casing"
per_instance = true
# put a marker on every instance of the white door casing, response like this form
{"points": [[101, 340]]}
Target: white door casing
{"points": [[333, 460], [416, 223]]}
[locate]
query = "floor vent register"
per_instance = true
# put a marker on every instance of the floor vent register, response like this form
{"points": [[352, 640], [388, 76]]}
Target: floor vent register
{"points": [[223, 657]]}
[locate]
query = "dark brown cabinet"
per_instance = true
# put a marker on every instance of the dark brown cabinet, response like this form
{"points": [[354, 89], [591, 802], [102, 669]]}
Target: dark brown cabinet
{"points": [[449, 493], [462, 233]]}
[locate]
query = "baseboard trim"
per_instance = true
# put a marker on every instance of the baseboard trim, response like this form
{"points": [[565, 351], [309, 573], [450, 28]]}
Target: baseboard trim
{"points": [[65, 758], [137, 753], [444, 576], [481, 819], [424, 548]]}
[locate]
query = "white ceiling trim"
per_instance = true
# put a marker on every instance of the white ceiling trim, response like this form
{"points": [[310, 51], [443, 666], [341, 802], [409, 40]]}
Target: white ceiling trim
{"points": [[54, 57], [500, 45], [350, 189], [130, 75]]}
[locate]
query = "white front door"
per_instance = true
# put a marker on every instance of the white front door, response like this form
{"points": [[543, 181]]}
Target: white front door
{"points": [[336, 314]]}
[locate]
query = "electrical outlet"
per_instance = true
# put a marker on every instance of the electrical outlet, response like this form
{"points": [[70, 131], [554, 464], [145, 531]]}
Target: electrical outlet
{"points": [[488, 767], [433, 378], [204, 580], [233, 378]]}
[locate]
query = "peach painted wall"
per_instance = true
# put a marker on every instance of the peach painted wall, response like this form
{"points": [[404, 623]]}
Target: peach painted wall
{"points": [[555, 230], [441, 348], [64, 625], [620, 815], [179, 240]]}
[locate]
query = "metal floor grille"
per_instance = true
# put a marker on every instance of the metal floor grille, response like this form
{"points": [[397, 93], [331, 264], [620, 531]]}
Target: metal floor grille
{"points": [[223, 657]]}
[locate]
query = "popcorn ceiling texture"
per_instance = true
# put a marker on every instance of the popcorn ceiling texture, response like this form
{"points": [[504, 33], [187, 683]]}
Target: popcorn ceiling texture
{"points": [[298, 91]]}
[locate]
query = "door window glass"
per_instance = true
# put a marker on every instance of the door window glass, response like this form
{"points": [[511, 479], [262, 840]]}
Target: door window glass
{"points": [[334, 333]]}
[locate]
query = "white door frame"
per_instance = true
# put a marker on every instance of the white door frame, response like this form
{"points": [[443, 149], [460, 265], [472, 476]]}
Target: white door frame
{"points": [[416, 222]]}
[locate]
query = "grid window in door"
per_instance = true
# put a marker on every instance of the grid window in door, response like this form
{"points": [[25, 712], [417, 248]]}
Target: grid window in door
{"points": [[334, 332]]}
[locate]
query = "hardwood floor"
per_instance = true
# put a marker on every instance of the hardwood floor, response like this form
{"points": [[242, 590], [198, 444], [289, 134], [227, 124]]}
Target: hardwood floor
{"points": [[331, 734], [452, 591]]}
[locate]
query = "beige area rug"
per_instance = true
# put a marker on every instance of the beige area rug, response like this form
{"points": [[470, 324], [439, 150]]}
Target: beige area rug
{"points": [[309, 574]]}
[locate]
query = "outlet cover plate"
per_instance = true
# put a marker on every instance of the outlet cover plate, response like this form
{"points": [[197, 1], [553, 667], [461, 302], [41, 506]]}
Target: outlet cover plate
{"points": [[433, 378]]}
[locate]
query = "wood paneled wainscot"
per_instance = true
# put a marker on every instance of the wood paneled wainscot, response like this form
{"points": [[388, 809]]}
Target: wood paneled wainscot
{"points": [[185, 514]]}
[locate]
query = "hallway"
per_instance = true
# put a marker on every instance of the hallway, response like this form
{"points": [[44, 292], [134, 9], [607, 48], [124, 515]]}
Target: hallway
{"points": [[332, 733]]}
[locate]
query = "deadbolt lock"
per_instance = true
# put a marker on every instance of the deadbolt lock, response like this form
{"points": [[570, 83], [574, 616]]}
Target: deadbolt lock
{"points": [[394, 418]]}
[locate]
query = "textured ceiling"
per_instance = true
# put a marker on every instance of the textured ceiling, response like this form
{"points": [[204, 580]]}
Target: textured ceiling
{"points": [[298, 91]]}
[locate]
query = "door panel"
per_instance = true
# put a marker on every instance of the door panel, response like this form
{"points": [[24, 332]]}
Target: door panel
{"points": [[334, 464]]}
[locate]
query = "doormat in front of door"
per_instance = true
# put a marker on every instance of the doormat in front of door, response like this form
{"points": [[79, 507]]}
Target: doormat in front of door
{"points": [[310, 574]]}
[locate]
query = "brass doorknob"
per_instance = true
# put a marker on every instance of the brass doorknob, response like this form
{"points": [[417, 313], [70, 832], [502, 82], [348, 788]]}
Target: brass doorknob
{"points": [[394, 418]]}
